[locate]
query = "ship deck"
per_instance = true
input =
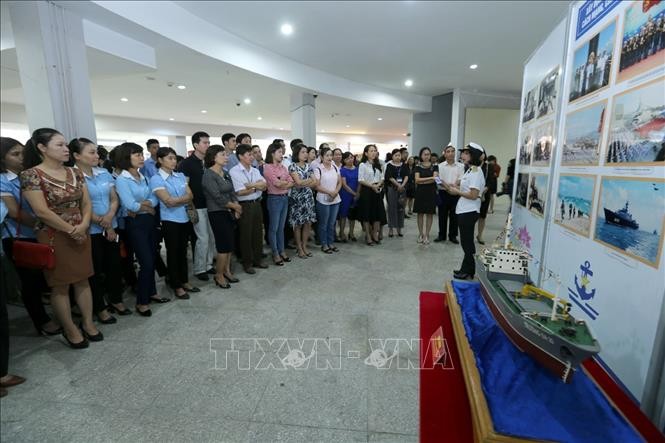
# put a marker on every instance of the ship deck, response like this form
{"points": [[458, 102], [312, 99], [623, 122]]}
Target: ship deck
{"points": [[541, 305]]}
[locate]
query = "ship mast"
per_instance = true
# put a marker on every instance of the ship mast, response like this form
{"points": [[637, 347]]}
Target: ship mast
{"points": [[509, 230], [556, 299]]}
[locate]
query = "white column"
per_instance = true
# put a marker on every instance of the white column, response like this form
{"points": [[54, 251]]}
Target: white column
{"points": [[179, 144], [53, 68], [457, 120], [303, 117]]}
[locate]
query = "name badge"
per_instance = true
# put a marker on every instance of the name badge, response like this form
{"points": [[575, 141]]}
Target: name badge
{"points": [[399, 180]]}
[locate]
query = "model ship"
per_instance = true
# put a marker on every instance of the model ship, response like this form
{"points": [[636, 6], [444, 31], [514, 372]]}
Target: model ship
{"points": [[537, 322], [621, 217]]}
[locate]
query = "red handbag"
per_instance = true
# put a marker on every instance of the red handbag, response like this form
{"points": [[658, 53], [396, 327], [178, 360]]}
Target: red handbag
{"points": [[31, 255]]}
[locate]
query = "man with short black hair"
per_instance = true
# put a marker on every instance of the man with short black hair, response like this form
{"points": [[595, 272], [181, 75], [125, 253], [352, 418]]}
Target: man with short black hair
{"points": [[229, 142], [450, 173], [249, 184], [150, 165], [193, 168]]}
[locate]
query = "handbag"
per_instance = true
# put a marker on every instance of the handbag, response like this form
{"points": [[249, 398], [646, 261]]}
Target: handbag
{"points": [[192, 214], [31, 255]]}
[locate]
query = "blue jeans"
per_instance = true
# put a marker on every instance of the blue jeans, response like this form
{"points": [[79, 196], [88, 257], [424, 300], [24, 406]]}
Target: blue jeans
{"points": [[278, 206], [327, 215]]}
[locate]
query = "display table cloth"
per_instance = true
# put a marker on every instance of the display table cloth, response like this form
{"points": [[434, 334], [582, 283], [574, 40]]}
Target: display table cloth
{"points": [[525, 399]]}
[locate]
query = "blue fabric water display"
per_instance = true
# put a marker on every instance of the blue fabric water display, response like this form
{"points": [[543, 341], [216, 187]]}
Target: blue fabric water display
{"points": [[525, 399]]}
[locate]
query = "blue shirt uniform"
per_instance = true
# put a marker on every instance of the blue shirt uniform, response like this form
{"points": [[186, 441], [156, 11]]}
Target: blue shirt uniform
{"points": [[100, 185], [149, 168], [132, 192], [10, 186], [175, 184], [233, 160]]}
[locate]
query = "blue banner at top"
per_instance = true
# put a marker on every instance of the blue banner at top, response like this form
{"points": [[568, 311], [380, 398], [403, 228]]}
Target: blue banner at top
{"points": [[591, 12]]}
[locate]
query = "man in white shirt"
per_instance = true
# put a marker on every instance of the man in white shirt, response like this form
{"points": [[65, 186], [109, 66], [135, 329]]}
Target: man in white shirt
{"points": [[249, 184], [450, 172]]}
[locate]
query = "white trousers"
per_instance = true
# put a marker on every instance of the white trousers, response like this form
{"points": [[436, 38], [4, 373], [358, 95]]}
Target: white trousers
{"points": [[205, 250]]}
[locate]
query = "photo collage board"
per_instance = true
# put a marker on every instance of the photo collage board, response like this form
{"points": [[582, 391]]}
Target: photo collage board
{"points": [[604, 210], [542, 87]]}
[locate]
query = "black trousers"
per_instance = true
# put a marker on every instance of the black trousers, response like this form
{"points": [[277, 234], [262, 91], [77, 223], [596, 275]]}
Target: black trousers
{"points": [[127, 259], [250, 231], [467, 226], [160, 267], [33, 284], [4, 317], [141, 233], [107, 278], [447, 216], [176, 236]]}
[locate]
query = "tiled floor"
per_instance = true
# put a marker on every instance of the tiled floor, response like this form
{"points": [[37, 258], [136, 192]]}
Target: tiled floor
{"points": [[154, 379]]}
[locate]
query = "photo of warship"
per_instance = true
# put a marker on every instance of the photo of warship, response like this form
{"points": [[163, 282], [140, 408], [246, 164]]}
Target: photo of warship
{"points": [[621, 217], [536, 321]]}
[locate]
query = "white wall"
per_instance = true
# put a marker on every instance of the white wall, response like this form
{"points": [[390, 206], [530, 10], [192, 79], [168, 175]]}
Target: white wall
{"points": [[495, 130]]}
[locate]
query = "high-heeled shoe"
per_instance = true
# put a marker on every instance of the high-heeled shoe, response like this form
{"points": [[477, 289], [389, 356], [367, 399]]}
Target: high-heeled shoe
{"points": [[231, 279], [50, 333], [146, 313], [420, 239], [80, 345], [109, 321], [184, 296], [223, 286], [113, 310], [97, 337]]}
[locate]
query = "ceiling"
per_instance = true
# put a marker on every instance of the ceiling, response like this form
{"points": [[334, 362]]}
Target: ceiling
{"points": [[376, 43], [384, 42]]}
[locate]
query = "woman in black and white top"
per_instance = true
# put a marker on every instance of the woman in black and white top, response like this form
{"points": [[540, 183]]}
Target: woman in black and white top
{"points": [[371, 211], [468, 206]]}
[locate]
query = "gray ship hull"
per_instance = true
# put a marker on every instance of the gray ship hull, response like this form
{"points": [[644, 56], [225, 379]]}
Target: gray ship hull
{"points": [[555, 353]]}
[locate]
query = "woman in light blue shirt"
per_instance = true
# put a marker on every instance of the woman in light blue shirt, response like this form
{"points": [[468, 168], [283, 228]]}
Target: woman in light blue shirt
{"points": [[139, 202], [32, 280], [103, 235], [174, 194]]}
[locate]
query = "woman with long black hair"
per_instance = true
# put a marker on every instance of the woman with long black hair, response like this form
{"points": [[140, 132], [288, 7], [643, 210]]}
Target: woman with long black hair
{"points": [[103, 235], [59, 197], [371, 212], [468, 206], [32, 281]]}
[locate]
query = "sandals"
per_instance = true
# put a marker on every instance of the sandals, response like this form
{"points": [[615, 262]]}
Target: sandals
{"points": [[285, 258], [334, 249], [326, 251]]}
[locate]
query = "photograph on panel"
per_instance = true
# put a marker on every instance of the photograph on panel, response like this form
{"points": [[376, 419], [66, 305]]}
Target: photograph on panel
{"points": [[530, 105], [630, 218], [583, 136], [547, 93], [574, 202], [537, 194], [643, 39], [522, 189], [637, 126], [543, 147], [592, 64], [526, 147]]}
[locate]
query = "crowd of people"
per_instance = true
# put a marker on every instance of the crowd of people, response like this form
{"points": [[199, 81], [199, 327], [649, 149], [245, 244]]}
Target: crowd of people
{"points": [[90, 215]]}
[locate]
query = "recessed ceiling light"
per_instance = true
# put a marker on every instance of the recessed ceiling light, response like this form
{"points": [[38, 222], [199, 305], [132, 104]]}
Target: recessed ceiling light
{"points": [[408, 83], [171, 119], [124, 99], [203, 111], [379, 118], [182, 87], [348, 126], [247, 101], [286, 29], [404, 135], [259, 118], [473, 66], [281, 129]]}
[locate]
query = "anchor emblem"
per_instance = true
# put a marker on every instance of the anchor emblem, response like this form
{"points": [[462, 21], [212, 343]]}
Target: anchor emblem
{"points": [[581, 296], [581, 290]]}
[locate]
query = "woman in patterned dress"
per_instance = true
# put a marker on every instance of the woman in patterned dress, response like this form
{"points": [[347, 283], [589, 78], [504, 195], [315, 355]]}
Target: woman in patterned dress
{"points": [[60, 199], [302, 212]]}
